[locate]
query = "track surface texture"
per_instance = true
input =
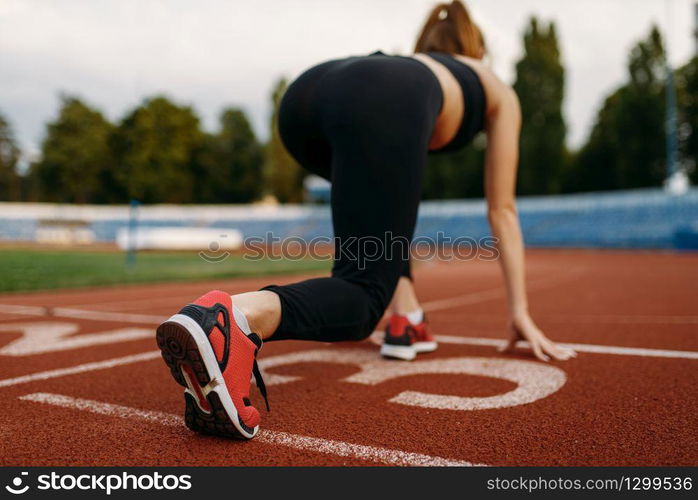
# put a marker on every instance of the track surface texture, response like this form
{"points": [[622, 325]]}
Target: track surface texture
{"points": [[82, 381]]}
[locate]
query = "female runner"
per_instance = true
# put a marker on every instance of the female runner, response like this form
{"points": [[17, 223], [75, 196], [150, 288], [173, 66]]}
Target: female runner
{"points": [[367, 124]]}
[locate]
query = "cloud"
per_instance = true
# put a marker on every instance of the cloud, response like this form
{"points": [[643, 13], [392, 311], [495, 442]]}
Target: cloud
{"points": [[216, 53]]}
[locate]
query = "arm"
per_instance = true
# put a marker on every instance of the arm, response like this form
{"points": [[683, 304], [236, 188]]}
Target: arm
{"points": [[503, 127], [504, 124]]}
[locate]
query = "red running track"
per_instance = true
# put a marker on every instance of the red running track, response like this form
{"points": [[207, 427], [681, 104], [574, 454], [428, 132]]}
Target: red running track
{"points": [[82, 384]]}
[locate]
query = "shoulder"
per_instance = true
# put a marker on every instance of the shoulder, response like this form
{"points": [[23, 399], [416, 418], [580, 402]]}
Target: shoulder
{"points": [[498, 93]]}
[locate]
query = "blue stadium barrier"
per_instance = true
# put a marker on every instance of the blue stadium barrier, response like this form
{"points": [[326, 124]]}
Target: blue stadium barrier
{"points": [[645, 218]]}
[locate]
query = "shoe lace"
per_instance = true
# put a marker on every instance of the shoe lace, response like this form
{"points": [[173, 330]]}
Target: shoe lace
{"points": [[260, 382]]}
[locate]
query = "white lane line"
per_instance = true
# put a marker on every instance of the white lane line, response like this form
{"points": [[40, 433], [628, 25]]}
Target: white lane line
{"points": [[350, 450], [141, 303], [103, 408], [620, 319], [23, 310], [64, 312], [86, 367], [377, 338], [623, 319], [434, 305], [592, 348], [70, 312], [306, 443]]}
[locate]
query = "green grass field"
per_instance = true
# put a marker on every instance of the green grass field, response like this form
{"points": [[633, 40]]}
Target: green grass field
{"points": [[35, 269]]}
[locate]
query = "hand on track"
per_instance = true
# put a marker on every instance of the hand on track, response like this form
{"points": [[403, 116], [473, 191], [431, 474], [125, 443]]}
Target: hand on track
{"points": [[523, 328]]}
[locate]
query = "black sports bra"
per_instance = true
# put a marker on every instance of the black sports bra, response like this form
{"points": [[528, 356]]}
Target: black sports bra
{"points": [[473, 99]]}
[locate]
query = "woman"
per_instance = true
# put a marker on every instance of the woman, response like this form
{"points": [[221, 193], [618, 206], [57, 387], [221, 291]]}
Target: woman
{"points": [[366, 124]]}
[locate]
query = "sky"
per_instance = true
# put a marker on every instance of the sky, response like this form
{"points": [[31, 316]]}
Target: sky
{"points": [[215, 53]]}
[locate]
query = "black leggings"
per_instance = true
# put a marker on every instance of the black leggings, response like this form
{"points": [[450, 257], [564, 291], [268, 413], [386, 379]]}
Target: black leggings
{"points": [[364, 123]]}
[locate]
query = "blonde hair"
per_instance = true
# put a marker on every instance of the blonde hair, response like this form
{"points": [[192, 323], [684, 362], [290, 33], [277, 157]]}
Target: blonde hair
{"points": [[450, 29]]}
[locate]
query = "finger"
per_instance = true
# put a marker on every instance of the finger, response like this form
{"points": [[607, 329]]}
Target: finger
{"points": [[553, 351], [567, 351], [511, 343], [538, 352], [564, 353], [557, 351], [509, 346], [571, 353]]}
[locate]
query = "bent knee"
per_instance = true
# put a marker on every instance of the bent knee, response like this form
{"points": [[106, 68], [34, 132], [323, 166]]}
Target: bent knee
{"points": [[363, 333], [371, 314]]}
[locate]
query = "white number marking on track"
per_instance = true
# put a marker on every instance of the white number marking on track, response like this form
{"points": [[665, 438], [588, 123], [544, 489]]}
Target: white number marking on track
{"points": [[534, 380], [41, 337]]}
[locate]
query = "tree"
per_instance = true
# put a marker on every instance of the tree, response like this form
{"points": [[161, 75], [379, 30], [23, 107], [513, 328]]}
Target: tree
{"points": [[74, 155], [626, 145], [230, 162], [9, 156], [540, 79], [155, 147], [595, 167], [284, 177], [687, 89]]}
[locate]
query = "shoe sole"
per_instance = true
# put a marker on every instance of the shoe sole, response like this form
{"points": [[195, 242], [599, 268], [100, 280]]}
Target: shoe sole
{"points": [[403, 352], [192, 362], [422, 347]]}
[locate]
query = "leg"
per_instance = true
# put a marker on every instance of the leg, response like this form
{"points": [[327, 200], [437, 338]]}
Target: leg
{"points": [[262, 310], [407, 316], [348, 305], [375, 124], [378, 139], [405, 299]]}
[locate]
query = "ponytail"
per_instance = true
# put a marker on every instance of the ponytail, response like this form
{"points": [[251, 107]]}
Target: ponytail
{"points": [[450, 29]]}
